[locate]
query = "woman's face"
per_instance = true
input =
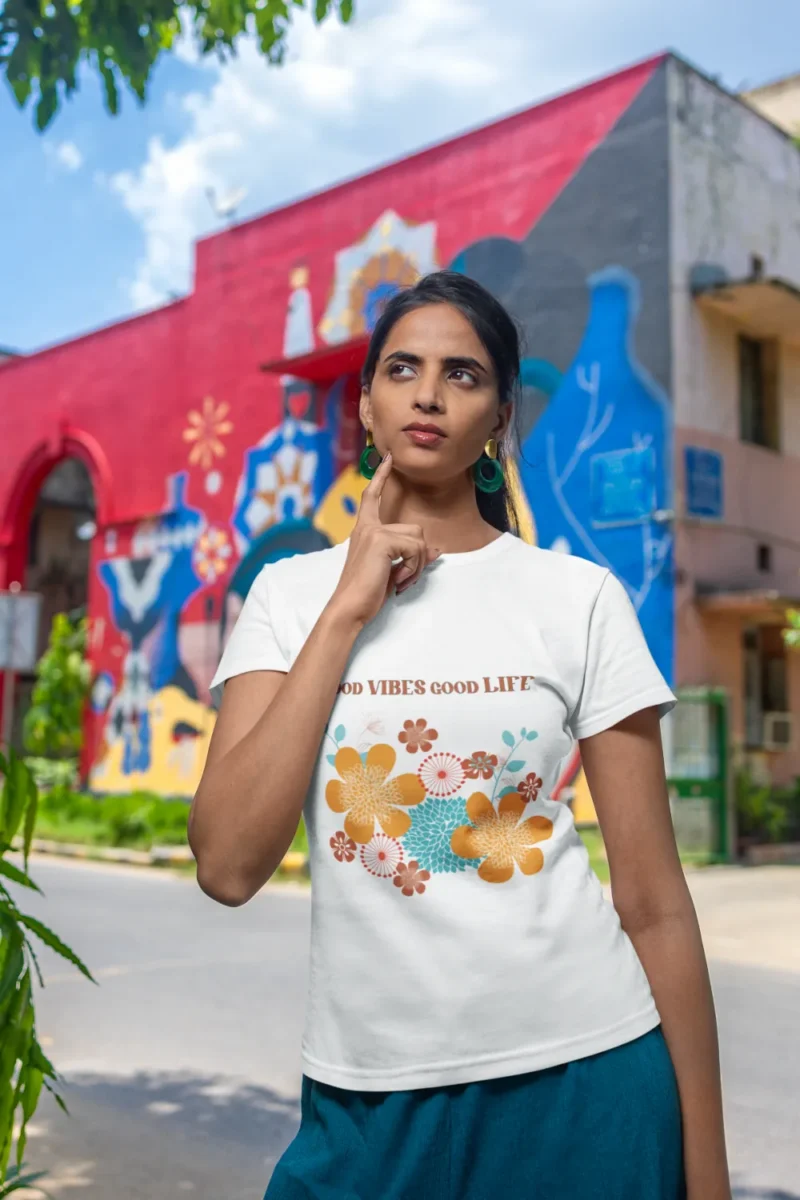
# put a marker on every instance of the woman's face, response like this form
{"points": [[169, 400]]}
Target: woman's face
{"points": [[433, 401]]}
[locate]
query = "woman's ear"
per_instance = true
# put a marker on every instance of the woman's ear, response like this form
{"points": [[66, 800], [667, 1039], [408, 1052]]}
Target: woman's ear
{"points": [[365, 408], [504, 415]]}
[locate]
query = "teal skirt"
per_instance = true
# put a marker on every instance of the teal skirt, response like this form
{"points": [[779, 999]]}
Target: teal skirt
{"points": [[606, 1127]]}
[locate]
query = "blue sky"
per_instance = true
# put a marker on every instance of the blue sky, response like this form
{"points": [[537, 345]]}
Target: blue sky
{"points": [[99, 214]]}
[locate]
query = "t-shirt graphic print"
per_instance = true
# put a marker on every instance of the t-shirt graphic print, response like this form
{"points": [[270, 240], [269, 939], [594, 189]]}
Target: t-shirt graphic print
{"points": [[408, 826], [457, 931]]}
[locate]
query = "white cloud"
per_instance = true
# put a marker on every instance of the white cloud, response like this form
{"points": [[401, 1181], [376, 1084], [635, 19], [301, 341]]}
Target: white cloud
{"points": [[347, 99], [404, 74], [65, 154]]}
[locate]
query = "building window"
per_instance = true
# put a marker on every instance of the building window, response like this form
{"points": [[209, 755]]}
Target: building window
{"points": [[764, 558], [765, 682], [758, 392]]}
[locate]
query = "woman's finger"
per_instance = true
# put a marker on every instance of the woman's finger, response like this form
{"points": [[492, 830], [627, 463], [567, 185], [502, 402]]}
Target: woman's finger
{"points": [[369, 510]]}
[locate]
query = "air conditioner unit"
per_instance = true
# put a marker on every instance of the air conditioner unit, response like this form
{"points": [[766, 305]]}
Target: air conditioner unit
{"points": [[778, 731]]}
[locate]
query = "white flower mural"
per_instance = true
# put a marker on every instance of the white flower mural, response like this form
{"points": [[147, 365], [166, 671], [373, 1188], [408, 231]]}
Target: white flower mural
{"points": [[393, 255]]}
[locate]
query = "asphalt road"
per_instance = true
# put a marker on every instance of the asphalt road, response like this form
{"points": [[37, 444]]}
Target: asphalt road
{"points": [[182, 1067]]}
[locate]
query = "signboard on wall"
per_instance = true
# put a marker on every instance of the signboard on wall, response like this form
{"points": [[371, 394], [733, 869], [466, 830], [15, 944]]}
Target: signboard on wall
{"points": [[705, 493], [19, 630]]}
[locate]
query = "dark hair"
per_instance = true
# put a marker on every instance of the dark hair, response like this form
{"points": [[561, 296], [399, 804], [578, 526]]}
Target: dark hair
{"points": [[500, 337]]}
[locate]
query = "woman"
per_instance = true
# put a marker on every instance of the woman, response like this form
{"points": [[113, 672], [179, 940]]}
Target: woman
{"points": [[480, 1020]]}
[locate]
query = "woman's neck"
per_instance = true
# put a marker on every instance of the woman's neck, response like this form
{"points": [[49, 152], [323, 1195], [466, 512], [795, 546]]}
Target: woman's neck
{"points": [[449, 514]]}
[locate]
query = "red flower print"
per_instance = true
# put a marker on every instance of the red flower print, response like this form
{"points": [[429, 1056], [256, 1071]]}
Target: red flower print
{"points": [[441, 774], [479, 765], [411, 879], [415, 736], [529, 787], [382, 855], [343, 847]]}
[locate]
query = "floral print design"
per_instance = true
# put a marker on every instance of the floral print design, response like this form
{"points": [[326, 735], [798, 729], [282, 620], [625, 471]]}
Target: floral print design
{"points": [[382, 856], [480, 765], [344, 848], [411, 879], [500, 839], [441, 774], [530, 787], [410, 827], [433, 823], [367, 792], [416, 736]]}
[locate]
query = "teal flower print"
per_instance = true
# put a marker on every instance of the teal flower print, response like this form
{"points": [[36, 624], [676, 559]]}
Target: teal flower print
{"points": [[428, 840]]}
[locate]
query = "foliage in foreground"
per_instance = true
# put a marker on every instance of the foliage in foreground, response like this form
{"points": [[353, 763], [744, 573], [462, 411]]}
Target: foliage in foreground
{"points": [[53, 725], [24, 1067], [44, 45]]}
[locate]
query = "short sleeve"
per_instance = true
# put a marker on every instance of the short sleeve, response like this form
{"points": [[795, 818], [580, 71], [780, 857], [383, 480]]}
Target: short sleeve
{"points": [[620, 677], [253, 644]]}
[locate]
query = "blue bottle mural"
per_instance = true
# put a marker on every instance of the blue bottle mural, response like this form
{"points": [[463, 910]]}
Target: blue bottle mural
{"points": [[596, 466]]}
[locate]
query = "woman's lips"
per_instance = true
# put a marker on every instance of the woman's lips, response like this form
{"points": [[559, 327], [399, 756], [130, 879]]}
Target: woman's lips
{"points": [[424, 437]]}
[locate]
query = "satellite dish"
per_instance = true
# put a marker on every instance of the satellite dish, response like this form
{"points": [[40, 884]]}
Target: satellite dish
{"points": [[226, 205]]}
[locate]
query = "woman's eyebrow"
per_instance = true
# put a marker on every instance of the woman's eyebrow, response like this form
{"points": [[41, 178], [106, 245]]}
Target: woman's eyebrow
{"points": [[452, 362]]}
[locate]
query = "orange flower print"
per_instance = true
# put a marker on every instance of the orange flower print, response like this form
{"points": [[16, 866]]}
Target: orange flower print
{"points": [[480, 765], [497, 836], [207, 429], [367, 792], [530, 787], [382, 856], [344, 848], [441, 774], [411, 879], [416, 736]]}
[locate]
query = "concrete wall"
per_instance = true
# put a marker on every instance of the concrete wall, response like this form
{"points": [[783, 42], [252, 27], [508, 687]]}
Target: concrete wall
{"points": [[779, 102], [734, 194]]}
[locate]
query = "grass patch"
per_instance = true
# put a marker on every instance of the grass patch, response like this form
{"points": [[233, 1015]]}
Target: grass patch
{"points": [[593, 841], [136, 822]]}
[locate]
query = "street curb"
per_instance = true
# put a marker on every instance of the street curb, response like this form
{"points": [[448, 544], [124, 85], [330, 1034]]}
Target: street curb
{"points": [[294, 863]]}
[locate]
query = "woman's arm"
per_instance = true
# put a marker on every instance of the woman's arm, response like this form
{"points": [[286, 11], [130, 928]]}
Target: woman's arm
{"points": [[262, 755], [625, 772], [266, 741]]}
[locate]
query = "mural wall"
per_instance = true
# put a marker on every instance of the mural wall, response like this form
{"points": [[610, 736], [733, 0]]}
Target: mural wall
{"points": [[562, 212]]}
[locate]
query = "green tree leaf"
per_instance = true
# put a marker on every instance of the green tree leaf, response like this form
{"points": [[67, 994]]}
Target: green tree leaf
{"points": [[42, 45], [54, 942], [17, 876]]}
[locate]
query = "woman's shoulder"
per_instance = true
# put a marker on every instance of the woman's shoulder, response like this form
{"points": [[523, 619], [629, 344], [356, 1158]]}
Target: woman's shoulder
{"points": [[559, 569]]}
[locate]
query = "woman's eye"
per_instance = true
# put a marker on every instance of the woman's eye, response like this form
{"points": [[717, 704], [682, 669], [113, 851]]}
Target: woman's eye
{"points": [[401, 371], [462, 375]]}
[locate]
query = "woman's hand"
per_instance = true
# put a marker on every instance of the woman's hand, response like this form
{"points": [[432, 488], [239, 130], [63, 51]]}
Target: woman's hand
{"points": [[381, 558]]}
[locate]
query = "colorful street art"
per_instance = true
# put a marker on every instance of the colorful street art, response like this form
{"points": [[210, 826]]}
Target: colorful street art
{"points": [[602, 447], [155, 706], [261, 464]]}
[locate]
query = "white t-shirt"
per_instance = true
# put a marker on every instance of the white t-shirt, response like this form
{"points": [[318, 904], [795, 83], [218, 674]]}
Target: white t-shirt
{"points": [[458, 931]]}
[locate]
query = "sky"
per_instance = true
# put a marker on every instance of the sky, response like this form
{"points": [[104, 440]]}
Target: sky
{"points": [[100, 213]]}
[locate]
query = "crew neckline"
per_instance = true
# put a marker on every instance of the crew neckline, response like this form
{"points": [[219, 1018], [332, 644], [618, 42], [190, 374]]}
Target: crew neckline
{"points": [[469, 557]]}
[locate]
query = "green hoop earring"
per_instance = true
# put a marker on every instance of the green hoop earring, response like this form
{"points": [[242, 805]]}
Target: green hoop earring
{"points": [[488, 471], [370, 459]]}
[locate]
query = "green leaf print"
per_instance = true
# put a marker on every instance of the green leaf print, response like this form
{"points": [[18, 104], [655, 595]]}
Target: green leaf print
{"points": [[508, 738], [428, 840], [506, 791], [516, 765], [331, 759], [532, 735], [340, 733]]}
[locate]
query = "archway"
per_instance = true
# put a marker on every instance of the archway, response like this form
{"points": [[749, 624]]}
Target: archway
{"points": [[61, 496]]}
